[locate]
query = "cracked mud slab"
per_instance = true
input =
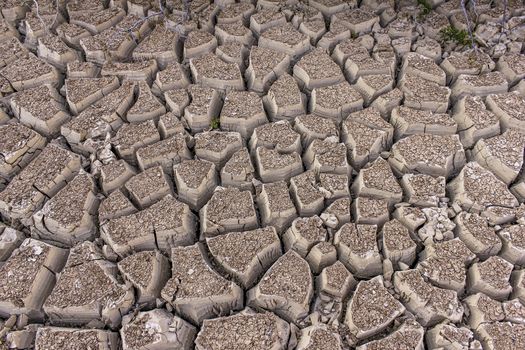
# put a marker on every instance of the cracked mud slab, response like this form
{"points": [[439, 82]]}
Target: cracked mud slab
{"points": [[270, 174]]}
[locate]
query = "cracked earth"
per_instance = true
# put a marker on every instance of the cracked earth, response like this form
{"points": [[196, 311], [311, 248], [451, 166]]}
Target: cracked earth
{"points": [[310, 175]]}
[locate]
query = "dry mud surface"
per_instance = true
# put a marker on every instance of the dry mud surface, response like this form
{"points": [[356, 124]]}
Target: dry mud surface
{"points": [[265, 175]]}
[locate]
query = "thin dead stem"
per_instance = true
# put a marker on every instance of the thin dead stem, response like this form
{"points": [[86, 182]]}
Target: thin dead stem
{"points": [[503, 20], [469, 28], [37, 8], [161, 13]]}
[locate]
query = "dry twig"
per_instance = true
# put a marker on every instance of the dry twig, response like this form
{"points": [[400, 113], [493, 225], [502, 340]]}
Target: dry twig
{"points": [[469, 28], [37, 8]]}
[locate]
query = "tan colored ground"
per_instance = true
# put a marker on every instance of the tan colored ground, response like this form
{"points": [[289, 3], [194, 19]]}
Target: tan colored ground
{"points": [[271, 174]]}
